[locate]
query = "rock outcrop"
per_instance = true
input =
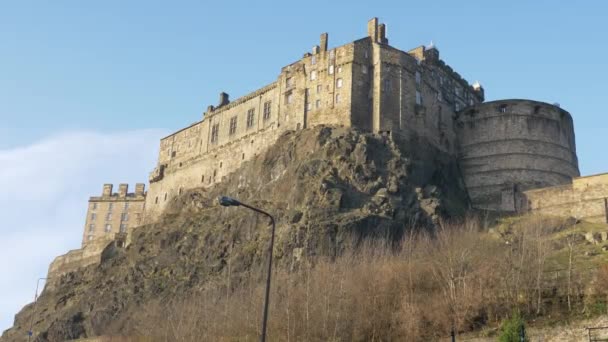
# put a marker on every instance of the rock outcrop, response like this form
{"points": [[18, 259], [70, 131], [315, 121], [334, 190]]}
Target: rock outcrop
{"points": [[328, 187]]}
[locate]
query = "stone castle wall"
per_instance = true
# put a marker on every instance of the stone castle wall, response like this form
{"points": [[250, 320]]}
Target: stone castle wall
{"points": [[514, 145], [585, 198], [366, 84]]}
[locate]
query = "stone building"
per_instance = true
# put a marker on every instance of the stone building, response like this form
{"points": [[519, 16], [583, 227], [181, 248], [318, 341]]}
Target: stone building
{"points": [[113, 213], [366, 84], [110, 220]]}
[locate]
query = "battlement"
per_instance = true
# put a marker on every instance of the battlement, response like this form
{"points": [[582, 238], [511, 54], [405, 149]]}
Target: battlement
{"points": [[122, 194]]}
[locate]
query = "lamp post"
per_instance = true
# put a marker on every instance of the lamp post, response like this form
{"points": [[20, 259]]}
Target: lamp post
{"points": [[30, 332], [231, 202]]}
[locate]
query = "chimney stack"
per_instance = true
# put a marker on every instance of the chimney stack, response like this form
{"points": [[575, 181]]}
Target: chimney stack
{"points": [[123, 189], [140, 189], [382, 34], [372, 29], [107, 190], [224, 99], [323, 42]]}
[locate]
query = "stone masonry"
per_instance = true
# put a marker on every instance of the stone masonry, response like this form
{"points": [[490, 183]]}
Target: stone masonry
{"points": [[366, 84], [586, 198]]}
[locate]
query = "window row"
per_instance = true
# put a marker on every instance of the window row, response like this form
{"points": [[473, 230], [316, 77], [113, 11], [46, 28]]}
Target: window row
{"points": [[95, 206], [123, 216], [108, 228], [215, 128]]}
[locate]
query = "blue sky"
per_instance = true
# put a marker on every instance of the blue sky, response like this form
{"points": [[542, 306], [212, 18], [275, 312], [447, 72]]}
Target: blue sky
{"points": [[130, 71]]}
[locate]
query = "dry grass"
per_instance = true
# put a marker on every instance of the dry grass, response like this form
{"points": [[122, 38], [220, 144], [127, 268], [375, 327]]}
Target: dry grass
{"points": [[457, 277]]}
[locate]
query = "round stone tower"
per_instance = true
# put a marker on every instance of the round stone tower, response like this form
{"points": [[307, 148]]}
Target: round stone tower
{"points": [[508, 146]]}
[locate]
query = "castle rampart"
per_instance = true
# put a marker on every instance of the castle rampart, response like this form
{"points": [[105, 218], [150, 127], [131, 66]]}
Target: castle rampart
{"points": [[585, 198], [514, 145]]}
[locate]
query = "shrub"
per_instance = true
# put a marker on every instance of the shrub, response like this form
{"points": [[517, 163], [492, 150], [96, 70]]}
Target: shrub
{"points": [[512, 328]]}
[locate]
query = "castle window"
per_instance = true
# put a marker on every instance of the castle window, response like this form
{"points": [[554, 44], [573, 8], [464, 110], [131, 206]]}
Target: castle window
{"points": [[165, 196], [387, 84], [298, 126], [93, 206], [457, 106], [90, 237], [221, 163], [418, 98], [91, 227], [366, 54], [313, 60], [502, 108], [536, 109], [232, 128], [250, 117], [418, 77], [289, 82], [173, 154], [308, 106], [243, 156], [93, 216], [108, 228], [288, 98], [215, 130], [108, 216], [127, 206], [180, 191], [202, 178], [330, 70], [124, 217], [267, 110], [319, 88], [313, 75], [339, 69], [156, 200], [123, 228], [110, 206], [318, 104], [339, 83], [364, 69], [337, 98]]}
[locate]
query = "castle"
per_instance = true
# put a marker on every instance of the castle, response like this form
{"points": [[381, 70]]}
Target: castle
{"points": [[505, 148]]}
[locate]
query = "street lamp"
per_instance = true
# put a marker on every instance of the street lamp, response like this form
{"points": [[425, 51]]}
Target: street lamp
{"points": [[30, 332], [231, 202]]}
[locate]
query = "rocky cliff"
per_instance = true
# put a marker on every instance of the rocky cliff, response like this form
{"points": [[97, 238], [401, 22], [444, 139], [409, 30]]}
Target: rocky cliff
{"points": [[327, 186]]}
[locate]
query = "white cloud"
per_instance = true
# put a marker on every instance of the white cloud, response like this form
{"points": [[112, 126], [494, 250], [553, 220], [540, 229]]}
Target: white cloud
{"points": [[45, 187]]}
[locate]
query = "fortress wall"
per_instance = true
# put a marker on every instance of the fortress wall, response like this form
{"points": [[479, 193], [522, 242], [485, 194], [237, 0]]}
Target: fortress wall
{"points": [[206, 170], [77, 258], [524, 143], [363, 70], [586, 198], [322, 88]]}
